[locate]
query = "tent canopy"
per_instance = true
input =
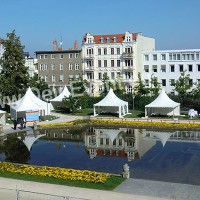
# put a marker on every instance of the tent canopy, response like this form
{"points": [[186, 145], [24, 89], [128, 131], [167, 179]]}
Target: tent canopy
{"points": [[112, 103], [29, 102], [64, 93], [163, 105]]}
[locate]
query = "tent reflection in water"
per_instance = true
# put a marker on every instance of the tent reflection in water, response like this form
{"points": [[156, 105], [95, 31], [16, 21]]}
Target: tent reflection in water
{"points": [[30, 138], [162, 136], [57, 101], [111, 104], [162, 105]]}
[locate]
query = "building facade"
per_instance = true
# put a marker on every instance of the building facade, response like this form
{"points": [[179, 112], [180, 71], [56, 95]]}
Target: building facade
{"points": [[59, 66], [167, 66], [31, 64], [116, 55]]}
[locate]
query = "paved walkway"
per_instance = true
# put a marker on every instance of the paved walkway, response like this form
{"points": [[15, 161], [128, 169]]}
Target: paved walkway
{"points": [[60, 190], [133, 189]]}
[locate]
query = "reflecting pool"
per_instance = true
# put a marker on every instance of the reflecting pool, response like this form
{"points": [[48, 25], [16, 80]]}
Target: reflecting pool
{"points": [[172, 156]]}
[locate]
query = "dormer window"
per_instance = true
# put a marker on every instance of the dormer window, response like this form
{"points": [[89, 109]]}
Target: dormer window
{"points": [[115, 39], [108, 40], [101, 39], [128, 38], [89, 40]]}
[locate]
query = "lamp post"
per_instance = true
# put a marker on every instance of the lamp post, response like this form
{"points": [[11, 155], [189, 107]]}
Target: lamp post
{"points": [[133, 102], [151, 83], [47, 109]]}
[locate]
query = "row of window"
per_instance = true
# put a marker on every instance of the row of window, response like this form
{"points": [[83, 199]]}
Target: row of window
{"points": [[129, 88], [171, 82], [109, 51], [60, 78], [61, 66], [172, 56], [180, 68], [61, 56], [108, 39], [113, 63], [112, 75]]}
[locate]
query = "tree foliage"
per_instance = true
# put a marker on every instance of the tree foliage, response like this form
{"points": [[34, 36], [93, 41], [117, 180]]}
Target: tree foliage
{"points": [[140, 88], [72, 103], [14, 75], [78, 87], [155, 86], [37, 83], [182, 85]]}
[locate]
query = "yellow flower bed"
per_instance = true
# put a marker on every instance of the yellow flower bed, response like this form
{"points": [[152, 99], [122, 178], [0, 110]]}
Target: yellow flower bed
{"points": [[56, 172], [126, 122], [146, 123], [75, 122]]}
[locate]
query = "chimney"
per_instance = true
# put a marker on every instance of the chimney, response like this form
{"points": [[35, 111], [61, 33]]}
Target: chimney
{"points": [[55, 46], [60, 49], [76, 44]]}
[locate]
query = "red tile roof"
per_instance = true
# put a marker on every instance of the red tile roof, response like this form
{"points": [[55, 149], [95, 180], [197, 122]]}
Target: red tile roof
{"points": [[120, 38]]}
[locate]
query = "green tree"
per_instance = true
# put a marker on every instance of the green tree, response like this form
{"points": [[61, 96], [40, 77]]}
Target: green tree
{"points": [[196, 91], [78, 87], [71, 103], [106, 84], [39, 84], [155, 86], [14, 76], [182, 85], [140, 88]]}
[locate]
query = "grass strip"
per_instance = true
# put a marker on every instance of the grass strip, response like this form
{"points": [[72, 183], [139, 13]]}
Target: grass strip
{"points": [[110, 184]]}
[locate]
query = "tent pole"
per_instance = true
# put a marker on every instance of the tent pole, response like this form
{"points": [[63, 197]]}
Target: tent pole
{"points": [[120, 112], [94, 112]]}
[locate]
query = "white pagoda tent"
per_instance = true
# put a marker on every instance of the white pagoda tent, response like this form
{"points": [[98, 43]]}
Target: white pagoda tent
{"points": [[162, 105], [27, 103], [111, 103], [3, 117], [57, 101]]}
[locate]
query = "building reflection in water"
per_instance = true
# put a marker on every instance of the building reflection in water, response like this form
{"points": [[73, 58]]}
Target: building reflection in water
{"points": [[120, 142], [165, 136]]}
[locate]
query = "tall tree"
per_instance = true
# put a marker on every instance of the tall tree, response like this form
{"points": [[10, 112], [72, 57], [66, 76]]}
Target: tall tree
{"points": [[14, 75], [140, 88], [182, 85], [106, 84], [72, 103], [40, 86], [156, 86]]}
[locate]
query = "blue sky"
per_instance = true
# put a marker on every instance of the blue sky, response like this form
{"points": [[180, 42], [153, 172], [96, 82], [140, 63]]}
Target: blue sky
{"points": [[173, 23]]}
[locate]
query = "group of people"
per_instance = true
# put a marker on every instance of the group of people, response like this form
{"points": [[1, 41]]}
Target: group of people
{"points": [[21, 121]]}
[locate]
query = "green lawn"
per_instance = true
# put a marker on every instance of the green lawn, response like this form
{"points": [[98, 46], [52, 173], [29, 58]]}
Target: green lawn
{"points": [[133, 114], [111, 183]]}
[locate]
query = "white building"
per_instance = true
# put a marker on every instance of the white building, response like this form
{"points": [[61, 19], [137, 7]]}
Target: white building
{"points": [[1, 47], [31, 64], [167, 66], [116, 55], [1, 50]]}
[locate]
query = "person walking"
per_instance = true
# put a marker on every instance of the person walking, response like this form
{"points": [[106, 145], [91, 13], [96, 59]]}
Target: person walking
{"points": [[24, 119], [15, 123], [22, 122]]}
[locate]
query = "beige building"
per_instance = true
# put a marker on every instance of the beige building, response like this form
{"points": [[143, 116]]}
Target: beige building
{"points": [[116, 55]]}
